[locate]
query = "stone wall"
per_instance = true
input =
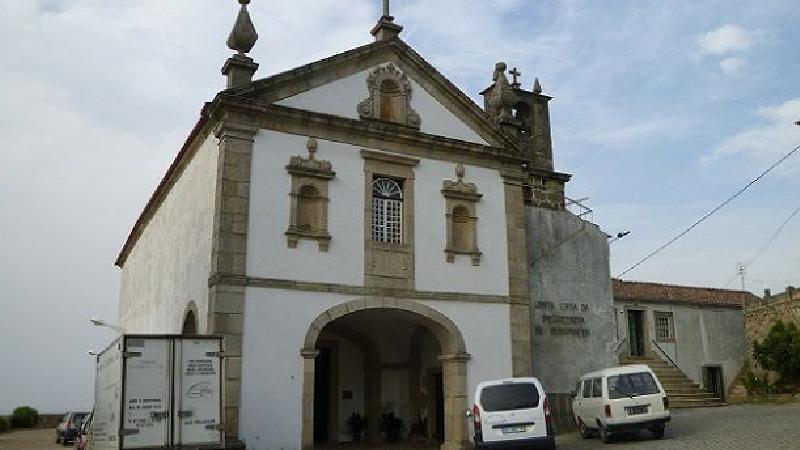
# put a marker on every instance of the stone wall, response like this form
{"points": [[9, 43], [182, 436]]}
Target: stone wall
{"points": [[761, 315], [572, 310]]}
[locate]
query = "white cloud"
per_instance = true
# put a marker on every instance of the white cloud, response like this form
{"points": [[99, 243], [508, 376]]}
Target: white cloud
{"points": [[731, 66], [766, 142], [725, 39]]}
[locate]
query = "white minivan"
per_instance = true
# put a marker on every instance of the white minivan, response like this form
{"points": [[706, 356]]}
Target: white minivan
{"points": [[618, 400], [512, 413]]}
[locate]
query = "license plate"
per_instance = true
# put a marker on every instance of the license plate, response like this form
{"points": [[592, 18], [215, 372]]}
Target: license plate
{"points": [[518, 429], [633, 410]]}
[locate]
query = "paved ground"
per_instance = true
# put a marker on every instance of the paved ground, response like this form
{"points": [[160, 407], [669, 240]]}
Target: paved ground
{"points": [[740, 427], [40, 439], [745, 427]]}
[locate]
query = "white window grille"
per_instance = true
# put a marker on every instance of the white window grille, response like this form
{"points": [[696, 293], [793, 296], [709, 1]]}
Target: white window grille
{"points": [[387, 211], [665, 330]]}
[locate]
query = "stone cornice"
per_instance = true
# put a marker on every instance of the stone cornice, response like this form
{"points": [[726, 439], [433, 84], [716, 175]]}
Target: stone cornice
{"points": [[389, 158], [346, 289], [360, 133]]}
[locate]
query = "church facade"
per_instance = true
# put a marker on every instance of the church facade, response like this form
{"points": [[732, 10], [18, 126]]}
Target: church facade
{"points": [[369, 241]]}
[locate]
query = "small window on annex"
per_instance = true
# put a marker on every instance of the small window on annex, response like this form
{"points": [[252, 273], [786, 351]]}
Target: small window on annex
{"points": [[665, 326], [387, 210]]}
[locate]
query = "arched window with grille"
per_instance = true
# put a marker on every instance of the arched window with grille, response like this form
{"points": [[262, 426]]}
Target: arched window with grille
{"points": [[387, 211]]}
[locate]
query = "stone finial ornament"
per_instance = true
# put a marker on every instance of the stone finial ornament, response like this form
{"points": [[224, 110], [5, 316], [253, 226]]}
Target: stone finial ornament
{"points": [[460, 172], [311, 145], [243, 36], [537, 88], [502, 99]]}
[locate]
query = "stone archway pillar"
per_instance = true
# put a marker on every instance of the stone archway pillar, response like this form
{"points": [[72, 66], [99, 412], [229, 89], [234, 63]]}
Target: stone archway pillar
{"points": [[454, 379], [307, 408]]}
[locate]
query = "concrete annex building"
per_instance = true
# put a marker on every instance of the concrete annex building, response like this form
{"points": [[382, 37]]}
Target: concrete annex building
{"points": [[367, 239]]}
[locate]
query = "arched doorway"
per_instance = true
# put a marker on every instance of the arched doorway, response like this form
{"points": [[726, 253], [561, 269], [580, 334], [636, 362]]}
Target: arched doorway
{"points": [[374, 358]]}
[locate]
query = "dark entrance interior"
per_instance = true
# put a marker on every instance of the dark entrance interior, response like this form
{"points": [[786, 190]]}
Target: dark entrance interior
{"points": [[438, 400], [636, 332], [712, 377], [322, 374]]}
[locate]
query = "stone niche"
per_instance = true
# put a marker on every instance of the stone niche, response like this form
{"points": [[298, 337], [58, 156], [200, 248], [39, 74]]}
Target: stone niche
{"points": [[461, 200], [308, 217], [389, 98]]}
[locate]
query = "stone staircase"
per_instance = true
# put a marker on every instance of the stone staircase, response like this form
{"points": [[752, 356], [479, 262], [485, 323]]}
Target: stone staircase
{"points": [[681, 391]]}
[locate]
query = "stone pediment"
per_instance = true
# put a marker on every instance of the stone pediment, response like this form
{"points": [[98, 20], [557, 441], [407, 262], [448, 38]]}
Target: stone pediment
{"points": [[340, 86]]}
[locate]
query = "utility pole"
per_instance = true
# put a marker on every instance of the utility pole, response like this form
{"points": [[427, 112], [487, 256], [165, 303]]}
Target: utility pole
{"points": [[740, 269]]}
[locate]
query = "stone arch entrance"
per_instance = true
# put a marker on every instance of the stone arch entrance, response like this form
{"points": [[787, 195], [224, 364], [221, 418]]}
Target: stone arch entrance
{"points": [[360, 321]]}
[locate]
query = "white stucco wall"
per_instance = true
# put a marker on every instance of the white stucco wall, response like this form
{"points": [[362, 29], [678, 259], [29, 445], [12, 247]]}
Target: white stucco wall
{"points": [[433, 272], [169, 265], [267, 253], [272, 368], [487, 333], [341, 98], [704, 336], [268, 256]]}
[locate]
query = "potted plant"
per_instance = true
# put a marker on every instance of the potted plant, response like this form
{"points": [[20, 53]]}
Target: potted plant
{"points": [[418, 430], [356, 424], [390, 426]]}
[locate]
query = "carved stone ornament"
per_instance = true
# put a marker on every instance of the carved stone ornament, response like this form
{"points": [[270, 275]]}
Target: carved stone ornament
{"points": [[389, 98], [310, 167], [503, 98], [459, 188], [308, 218]]}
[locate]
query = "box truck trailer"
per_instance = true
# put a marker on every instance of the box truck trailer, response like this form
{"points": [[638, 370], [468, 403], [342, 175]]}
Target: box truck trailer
{"points": [[157, 392]]}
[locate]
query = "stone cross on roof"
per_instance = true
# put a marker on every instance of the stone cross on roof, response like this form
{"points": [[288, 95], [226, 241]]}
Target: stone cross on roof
{"points": [[514, 74]]}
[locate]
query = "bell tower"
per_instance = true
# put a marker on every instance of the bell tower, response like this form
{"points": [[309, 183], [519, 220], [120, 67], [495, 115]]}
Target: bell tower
{"points": [[523, 113]]}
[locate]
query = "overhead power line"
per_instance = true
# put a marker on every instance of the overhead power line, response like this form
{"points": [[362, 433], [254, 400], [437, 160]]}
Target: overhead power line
{"points": [[768, 243], [712, 212]]}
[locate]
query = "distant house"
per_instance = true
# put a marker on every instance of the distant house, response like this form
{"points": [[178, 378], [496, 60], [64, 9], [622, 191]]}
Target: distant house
{"points": [[698, 332]]}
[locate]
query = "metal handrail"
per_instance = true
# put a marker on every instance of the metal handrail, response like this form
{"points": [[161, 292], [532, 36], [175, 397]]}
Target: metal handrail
{"points": [[619, 345], [667, 356]]}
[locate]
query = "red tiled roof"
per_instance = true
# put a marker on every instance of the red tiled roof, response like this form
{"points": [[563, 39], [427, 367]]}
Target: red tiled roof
{"points": [[670, 293]]}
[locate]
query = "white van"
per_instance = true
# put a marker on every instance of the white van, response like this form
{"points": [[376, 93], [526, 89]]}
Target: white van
{"points": [[618, 400], [510, 413]]}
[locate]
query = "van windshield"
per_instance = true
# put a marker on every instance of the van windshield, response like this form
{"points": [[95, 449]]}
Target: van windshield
{"points": [[631, 385], [506, 397]]}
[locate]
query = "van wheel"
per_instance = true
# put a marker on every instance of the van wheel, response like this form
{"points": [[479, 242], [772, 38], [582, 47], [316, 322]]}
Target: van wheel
{"points": [[658, 431], [605, 437], [585, 432]]}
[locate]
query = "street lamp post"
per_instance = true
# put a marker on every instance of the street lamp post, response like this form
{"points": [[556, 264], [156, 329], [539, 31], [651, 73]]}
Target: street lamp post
{"points": [[101, 323]]}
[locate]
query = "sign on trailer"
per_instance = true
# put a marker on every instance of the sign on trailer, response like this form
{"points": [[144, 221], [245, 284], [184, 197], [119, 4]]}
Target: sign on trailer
{"points": [[157, 392]]}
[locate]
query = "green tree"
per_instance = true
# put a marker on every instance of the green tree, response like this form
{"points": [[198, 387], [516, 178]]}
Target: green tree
{"points": [[24, 417], [780, 352]]}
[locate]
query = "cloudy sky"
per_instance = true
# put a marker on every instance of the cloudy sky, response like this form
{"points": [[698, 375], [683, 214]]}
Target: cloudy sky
{"points": [[662, 110]]}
